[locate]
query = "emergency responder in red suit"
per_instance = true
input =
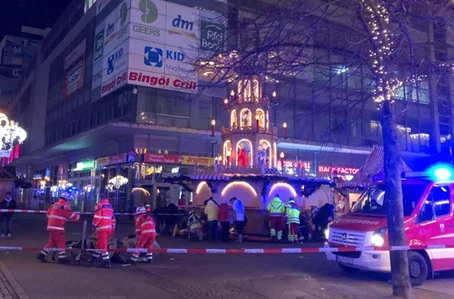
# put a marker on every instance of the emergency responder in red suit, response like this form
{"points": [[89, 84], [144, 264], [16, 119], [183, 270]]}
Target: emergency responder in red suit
{"points": [[102, 223], [146, 231], [57, 215]]}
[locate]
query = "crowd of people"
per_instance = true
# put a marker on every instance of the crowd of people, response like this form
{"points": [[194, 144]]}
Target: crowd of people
{"points": [[216, 221]]}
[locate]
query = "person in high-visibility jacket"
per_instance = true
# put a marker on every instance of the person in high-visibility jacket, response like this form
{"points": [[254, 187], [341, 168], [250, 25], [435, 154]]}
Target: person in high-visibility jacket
{"points": [[276, 208], [146, 230], [57, 215], [102, 222], [292, 214]]}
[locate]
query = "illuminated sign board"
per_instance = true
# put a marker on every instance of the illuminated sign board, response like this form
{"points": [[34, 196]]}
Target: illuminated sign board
{"points": [[85, 165], [338, 170]]}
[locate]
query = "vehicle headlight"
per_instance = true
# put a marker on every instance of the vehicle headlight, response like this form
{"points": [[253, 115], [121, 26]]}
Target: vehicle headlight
{"points": [[377, 240], [327, 233]]}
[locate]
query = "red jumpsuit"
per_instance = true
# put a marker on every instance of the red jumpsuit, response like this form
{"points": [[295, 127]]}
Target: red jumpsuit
{"points": [[57, 215], [146, 230], [102, 221]]}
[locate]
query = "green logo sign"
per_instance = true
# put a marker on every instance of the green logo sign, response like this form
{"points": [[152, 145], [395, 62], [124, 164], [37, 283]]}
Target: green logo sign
{"points": [[86, 165], [123, 13], [149, 10]]}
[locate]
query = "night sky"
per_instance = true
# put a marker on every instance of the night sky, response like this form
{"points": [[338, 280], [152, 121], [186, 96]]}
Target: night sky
{"points": [[34, 13]]}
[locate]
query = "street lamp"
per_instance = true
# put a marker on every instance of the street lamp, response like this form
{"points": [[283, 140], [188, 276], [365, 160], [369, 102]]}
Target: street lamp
{"points": [[213, 124], [226, 104], [284, 125]]}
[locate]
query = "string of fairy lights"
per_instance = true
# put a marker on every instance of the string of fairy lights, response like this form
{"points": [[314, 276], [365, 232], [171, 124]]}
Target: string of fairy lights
{"points": [[378, 22]]}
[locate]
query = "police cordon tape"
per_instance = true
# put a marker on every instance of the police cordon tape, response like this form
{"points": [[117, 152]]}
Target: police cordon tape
{"points": [[81, 213], [236, 251]]}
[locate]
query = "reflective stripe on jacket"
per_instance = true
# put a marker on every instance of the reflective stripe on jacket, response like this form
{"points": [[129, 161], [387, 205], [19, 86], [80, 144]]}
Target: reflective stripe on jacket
{"points": [[276, 207], [293, 214], [102, 220], [145, 225], [58, 214]]}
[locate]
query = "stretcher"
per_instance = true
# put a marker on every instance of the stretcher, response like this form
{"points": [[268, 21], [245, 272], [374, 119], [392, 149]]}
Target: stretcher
{"points": [[112, 243]]}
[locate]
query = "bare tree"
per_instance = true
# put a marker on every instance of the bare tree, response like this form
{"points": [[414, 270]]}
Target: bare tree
{"points": [[285, 42]]}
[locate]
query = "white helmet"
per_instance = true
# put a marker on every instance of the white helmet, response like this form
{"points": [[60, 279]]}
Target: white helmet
{"points": [[141, 210], [66, 196]]}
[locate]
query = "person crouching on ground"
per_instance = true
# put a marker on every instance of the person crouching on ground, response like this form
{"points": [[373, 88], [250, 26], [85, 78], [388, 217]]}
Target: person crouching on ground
{"points": [[195, 227], [57, 215], [102, 223], [146, 231]]}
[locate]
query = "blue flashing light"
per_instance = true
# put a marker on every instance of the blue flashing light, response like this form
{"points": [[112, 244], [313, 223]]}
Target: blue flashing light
{"points": [[441, 172]]}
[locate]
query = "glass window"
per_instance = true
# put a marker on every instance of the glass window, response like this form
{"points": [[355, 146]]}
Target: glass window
{"points": [[439, 197], [373, 200]]}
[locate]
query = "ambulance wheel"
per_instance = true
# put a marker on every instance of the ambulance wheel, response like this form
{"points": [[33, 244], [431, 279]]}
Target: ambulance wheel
{"points": [[418, 268], [348, 269]]}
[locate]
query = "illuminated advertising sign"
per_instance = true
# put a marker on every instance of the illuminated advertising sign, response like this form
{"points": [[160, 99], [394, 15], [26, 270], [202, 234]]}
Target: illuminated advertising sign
{"points": [[338, 170]]}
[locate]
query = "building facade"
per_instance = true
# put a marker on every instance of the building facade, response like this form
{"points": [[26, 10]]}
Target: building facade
{"points": [[112, 105]]}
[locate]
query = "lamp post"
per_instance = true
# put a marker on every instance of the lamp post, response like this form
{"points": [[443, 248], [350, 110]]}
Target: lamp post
{"points": [[282, 156], [213, 124], [284, 125], [226, 104]]}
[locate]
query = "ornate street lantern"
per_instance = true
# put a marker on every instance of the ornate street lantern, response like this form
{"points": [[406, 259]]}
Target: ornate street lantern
{"points": [[10, 135]]}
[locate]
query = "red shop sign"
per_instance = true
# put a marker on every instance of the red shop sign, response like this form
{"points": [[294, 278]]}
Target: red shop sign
{"points": [[164, 159], [338, 170]]}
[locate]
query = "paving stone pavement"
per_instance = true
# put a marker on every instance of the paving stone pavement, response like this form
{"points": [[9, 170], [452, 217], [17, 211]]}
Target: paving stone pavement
{"points": [[6, 291], [175, 276]]}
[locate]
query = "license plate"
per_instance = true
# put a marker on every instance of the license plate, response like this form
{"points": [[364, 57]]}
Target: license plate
{"points": [[345, 260]]}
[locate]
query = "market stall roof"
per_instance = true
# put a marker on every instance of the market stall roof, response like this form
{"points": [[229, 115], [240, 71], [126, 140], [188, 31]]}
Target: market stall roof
{"points": [[238, 176], [373, 166]]}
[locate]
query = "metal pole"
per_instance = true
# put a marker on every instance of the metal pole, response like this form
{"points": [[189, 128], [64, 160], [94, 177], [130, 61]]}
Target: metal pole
{"points": [[84, 233]]}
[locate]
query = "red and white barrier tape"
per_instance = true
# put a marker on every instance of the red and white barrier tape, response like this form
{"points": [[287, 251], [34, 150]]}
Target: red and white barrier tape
{"points": [[82, 213], [237, 251]]}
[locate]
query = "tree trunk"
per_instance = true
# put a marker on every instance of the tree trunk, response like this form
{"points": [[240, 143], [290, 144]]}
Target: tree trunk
{"points": [[393, 196]]}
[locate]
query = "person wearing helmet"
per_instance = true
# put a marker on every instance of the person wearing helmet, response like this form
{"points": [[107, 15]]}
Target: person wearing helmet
{"points": [[276, 209], [146, 231], [102, 222], [292, 214], [57, 215]]}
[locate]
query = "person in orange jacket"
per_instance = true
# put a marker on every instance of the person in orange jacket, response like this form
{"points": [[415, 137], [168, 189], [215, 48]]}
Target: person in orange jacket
{"points": [[102, 222], [57, 215], [146, 231]]}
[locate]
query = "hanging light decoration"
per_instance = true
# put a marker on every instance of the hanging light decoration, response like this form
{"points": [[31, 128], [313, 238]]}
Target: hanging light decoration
{"points": [[118, 181], [10, 135]]}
